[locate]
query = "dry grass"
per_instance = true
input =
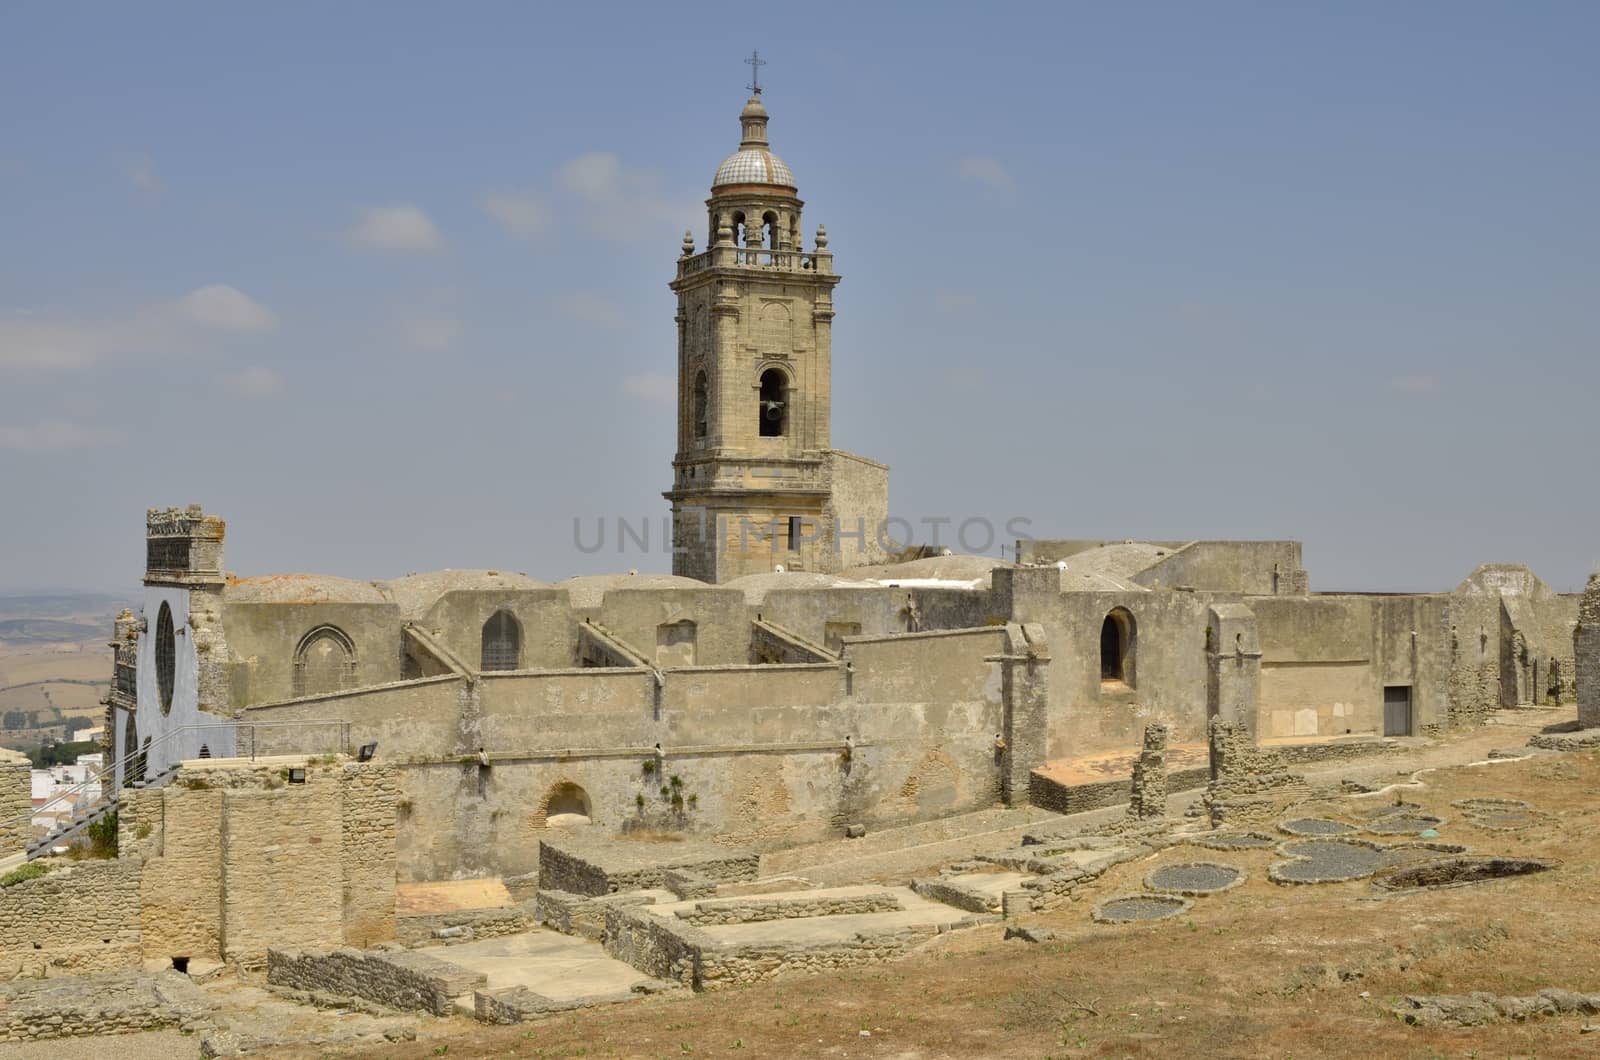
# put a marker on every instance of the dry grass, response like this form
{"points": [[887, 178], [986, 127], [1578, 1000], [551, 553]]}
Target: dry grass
{"points": [[1261, 971]]}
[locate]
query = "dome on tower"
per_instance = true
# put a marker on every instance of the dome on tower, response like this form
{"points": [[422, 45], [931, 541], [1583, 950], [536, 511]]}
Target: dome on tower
{"points": [[753, 165], [754, 162]]}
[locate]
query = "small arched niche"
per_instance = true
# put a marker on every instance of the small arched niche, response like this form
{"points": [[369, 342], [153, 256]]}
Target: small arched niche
{"points": [[566, 805], [1117, 642]]}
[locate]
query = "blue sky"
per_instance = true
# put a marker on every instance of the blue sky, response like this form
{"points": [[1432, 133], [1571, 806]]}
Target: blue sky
{"points": [[385, 284]]}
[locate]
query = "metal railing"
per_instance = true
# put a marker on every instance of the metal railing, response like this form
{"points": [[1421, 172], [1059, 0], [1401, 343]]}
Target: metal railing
{"points": [[248, 743]]}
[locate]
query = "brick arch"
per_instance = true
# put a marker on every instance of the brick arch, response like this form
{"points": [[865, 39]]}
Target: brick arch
{"points": [[563, 797]]}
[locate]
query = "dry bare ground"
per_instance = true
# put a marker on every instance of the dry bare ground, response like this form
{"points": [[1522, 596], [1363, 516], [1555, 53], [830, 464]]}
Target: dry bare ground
{"points": [[1261, 971]]}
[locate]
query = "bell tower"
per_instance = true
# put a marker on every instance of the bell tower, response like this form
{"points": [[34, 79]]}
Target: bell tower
{"points": [[753, 474]]}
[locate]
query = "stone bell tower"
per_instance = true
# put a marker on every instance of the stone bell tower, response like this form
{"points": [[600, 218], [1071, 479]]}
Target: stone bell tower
{"points": [[754, 479]]}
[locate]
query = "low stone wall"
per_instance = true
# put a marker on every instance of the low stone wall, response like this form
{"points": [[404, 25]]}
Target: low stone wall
{"points": [[959, 895], [689, 885], [752, 964], [1048, 794], [405, 980], [81, 916], [656, 947], [1335, 751], [523, 888], [755, 910], [579, 871], [518, 1004], [579, 914], [466, 924], [682, 953], [106, 1003]]}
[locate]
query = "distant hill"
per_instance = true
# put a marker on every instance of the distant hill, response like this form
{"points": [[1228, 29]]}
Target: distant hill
{"points": [[31, 619]]}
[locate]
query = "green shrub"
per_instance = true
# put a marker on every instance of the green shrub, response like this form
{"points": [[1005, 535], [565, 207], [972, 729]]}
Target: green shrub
{"points": [[31, 871], [103, 836]]}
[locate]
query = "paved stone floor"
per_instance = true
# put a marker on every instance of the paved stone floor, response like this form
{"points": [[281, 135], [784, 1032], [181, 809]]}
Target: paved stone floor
{"points": [[560, 967]]}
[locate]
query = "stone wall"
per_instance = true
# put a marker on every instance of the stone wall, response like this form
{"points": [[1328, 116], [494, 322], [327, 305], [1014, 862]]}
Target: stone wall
{"points": [[235, 858], [79, 917], [753, 910], [407, 979], [16, 802], [98, 1004], [608, 868], [1586, 648], [735, 966]]}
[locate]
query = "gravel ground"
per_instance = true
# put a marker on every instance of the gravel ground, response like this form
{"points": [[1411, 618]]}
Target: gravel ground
{"points": [[1327, 862], [1316, 826], [149, 1045], [1195, 877], [1139, 907]]}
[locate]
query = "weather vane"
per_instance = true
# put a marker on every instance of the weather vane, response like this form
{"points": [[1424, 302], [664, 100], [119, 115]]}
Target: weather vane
{"points": [[755, 63]]}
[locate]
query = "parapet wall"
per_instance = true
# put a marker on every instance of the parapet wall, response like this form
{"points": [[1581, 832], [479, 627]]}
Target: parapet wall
{"points": [[16, 802], [405, 979]]}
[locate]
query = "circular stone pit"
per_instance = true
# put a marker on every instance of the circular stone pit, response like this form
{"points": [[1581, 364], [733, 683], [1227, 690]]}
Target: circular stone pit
{"points": [[1326, 861], [1403, 824], [1132, 908], [1194, 878], [1317, 826], [1235, 841]]}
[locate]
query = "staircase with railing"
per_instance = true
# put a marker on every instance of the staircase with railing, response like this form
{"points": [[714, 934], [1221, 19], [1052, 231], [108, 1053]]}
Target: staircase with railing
{"points": [[96, 795]]}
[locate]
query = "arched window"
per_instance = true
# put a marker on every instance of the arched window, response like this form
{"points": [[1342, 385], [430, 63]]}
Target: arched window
{"points": [[702, 400], [737, 225], [502, 642], [773, 409], [1116, 647], [769, 222], [166, 657], [130, 749], [205, 751], [675, 643], [324, 662]]}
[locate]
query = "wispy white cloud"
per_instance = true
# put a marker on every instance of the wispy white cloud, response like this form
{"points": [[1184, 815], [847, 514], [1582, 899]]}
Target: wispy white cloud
{"points": [[656, 389], [52, 435], [400, 227], [227, 308], [608, 198], [254, 381], [141, 172], [1413, 384], [55, 341], [987, 171], [520, 213], [589, 308]]}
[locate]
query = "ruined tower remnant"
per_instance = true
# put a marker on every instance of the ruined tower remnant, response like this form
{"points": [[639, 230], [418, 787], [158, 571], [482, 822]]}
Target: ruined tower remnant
{"points": [[1150, 776], [755, 483], [1586, 650]]}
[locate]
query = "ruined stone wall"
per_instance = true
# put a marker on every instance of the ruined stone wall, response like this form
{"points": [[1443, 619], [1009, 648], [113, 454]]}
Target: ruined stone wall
{"points": [[408, 980], [79, 917], [175, 832], [233, 858], [16, 802], [1586, 647], [367, 852], [755, 910]]}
